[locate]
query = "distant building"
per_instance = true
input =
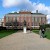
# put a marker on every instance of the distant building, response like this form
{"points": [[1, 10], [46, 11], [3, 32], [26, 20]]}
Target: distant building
{"points": [[32, 19]]}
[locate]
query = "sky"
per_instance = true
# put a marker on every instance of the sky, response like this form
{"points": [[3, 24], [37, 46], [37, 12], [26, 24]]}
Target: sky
{"points": [[7, 6]]}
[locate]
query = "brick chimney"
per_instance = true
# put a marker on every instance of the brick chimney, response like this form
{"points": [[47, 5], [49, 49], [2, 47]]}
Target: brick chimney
{"points": [[36, 11]]}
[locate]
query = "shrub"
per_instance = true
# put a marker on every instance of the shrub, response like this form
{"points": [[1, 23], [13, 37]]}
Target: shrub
{"points": [[45, 26]]}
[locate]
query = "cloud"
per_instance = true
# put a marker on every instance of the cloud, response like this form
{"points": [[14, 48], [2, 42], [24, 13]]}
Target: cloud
{"points": [[9, 3], [41, 8], [48, 18], [28, 5]]}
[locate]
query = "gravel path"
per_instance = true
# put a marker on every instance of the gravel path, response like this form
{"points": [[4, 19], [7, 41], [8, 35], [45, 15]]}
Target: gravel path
{"points": [[22, 41]]}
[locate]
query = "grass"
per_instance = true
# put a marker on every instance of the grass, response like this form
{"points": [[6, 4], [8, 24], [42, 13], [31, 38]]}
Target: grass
{"points": [[4, 33], [36, 31], [47, 33]]}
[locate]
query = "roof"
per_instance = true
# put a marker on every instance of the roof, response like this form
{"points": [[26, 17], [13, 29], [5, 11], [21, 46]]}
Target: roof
{"points": [[13, 13], [37, 13], [29, 13]]}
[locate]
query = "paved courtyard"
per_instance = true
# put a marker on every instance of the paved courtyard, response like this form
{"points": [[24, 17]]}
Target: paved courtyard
{"points": [[22, 41]]}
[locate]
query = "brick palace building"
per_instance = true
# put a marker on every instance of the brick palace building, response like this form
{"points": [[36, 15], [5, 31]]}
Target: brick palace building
{"points": [[32, 19]]}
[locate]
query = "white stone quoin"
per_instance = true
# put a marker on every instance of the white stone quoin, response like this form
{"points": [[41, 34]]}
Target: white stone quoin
{"points": [[24, 29]]}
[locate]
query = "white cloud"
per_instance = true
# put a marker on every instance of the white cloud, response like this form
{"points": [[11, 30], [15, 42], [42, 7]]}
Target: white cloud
{"points": [[9, 3], [21, 3], [28, 5], [42, 8], [48, 18]]}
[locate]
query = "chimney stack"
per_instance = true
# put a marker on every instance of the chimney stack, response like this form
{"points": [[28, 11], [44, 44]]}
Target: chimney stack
{"points": [[36, 11]]}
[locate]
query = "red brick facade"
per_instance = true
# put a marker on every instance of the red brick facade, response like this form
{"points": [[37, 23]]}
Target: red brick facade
{"points": [[31, 19]]}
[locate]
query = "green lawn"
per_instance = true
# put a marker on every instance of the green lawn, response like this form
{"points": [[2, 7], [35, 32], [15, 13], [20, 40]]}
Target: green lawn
{"points": [[4, 33], [47, 33], [36, 31]]}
